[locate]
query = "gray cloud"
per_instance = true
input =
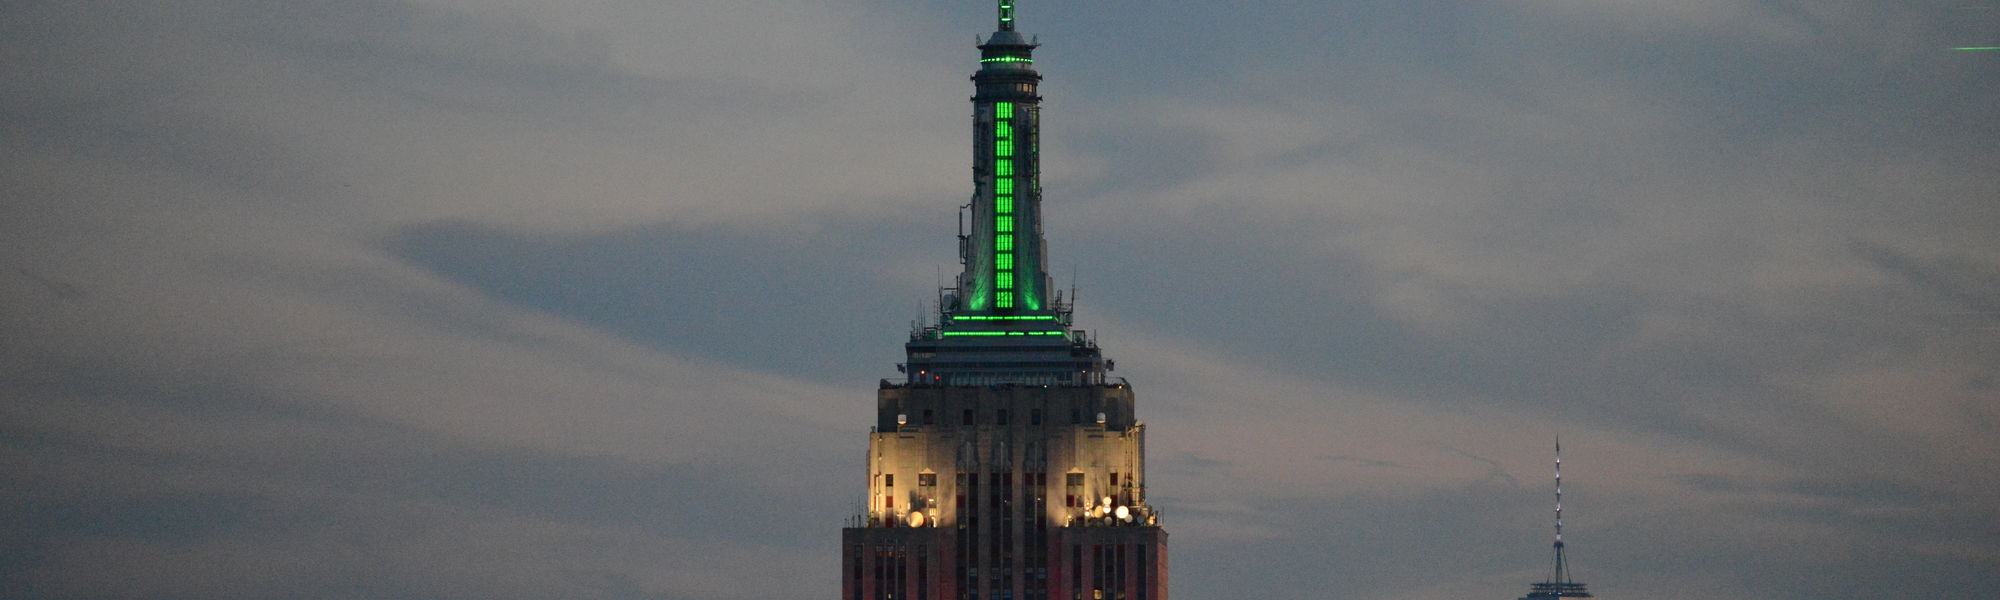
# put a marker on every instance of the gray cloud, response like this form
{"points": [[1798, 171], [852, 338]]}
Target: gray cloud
{"points": [[490, 300]]}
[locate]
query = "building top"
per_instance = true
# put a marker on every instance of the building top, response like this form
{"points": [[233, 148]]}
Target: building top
{"points": [[1001, 322]]}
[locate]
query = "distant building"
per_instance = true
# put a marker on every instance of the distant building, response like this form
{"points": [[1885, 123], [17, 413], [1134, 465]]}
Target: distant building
{"points": [[1559, 584], [1006, 465]]}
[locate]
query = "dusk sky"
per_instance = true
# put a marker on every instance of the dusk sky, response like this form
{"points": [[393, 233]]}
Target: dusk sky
{"points": [[513, 299]]}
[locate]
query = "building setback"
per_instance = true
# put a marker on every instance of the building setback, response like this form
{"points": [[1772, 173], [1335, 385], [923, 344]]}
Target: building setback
{"points": [[1006, 464]]}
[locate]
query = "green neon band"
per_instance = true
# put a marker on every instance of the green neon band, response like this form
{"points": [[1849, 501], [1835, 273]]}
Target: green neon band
{"points": [[995, 335], [1003, 110], [1003, 59], [1005, 300], [1003, 317], [1003, 130], [1004, 167], [1003, 243], [1003, 186]]}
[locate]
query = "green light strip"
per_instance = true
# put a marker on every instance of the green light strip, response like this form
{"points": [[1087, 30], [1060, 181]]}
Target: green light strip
{"points": [[995, 335], [1003, 187], [1003, 317], [1022, 59], [1978, 48]]}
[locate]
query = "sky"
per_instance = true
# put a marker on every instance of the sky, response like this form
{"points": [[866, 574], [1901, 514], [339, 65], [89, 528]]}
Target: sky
{"points": [[511, 299]]}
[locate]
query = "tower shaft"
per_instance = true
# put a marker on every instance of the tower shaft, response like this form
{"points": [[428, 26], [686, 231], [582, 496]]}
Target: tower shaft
{"points": [[1004, 256]]}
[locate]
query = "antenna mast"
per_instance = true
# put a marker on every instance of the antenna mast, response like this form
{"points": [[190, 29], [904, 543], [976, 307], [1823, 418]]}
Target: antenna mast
{"points": [[1561, 574], [1006, 15]]}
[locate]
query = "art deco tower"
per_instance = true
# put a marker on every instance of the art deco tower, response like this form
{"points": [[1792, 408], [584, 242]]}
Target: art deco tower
{"points": [[1005, 465]]}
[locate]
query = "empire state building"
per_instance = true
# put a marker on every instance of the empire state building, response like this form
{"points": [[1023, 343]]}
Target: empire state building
{"points": [[1005, 464]]}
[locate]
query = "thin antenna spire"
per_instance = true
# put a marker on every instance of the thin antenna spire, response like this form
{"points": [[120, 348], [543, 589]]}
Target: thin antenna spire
{"points": [[1006, 15], [1561, 574], [1558, 585]]}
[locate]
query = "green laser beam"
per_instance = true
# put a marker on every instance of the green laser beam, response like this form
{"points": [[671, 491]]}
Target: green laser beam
{"points": [[1978, 48]]}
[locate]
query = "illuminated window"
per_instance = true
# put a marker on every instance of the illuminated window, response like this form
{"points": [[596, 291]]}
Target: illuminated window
{"points": [[1003, 224], [1004, 205], [1003, 243], [1003, 147], [1003, 110], [1006, 280], [1003, 130], [927, 479], [1003, 167], [1003, 185], [1004, 261], [1006, 299]]}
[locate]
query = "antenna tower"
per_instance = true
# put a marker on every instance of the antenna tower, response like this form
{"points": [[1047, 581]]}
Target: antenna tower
{"points": [[1559, 584]]}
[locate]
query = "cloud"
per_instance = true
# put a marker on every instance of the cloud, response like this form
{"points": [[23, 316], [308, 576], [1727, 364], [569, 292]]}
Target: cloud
{"points": [[475, 299]]}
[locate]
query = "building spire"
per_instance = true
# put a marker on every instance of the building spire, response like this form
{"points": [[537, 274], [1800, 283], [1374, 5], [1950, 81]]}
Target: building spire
{"points": [[1561, 572], [1002, 321], [1559, 584]]}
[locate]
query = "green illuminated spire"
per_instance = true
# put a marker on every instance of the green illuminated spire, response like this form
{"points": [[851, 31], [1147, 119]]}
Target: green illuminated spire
{"points": [[1001, 323], [1003, 254]]}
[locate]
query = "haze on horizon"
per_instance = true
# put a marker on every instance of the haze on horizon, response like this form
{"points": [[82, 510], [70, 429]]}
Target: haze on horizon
{"points": [[506, 299]]}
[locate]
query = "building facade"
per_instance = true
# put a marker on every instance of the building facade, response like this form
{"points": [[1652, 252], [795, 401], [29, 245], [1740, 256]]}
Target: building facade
{"points": [[1005, 463]]}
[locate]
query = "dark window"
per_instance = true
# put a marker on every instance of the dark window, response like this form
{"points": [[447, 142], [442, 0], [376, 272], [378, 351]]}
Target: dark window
{"points": [[927, 416], [1034, 416], [1000, 417], [927, 479], [968, 418], [1075, 417], [889, 480]]}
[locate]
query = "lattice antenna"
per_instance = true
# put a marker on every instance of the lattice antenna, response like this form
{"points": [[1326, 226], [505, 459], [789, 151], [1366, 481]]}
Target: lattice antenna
{"points": [[1561, 574]]}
